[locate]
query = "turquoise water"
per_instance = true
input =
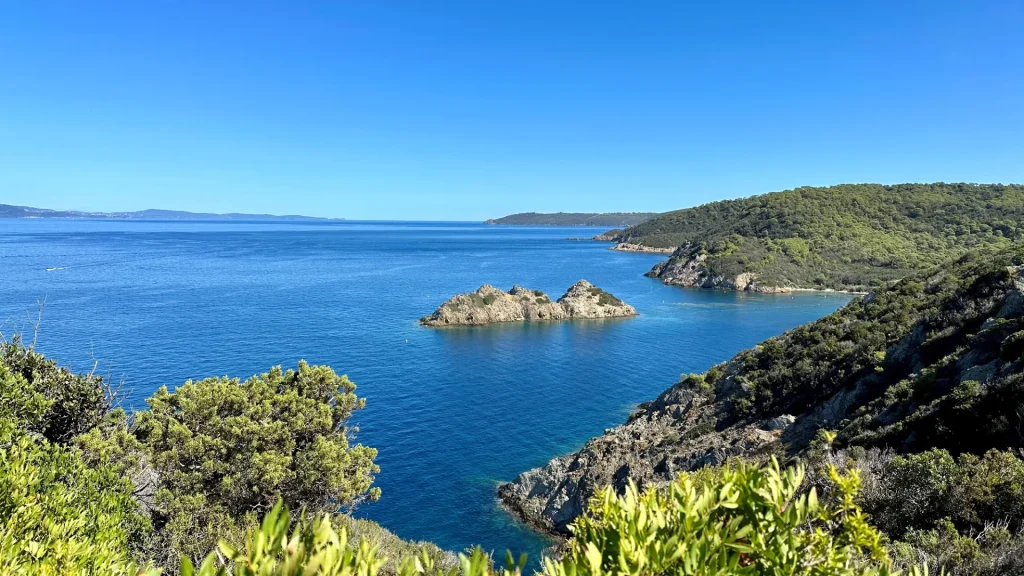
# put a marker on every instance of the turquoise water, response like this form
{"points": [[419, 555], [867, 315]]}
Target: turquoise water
{"points": [[454, 411]]}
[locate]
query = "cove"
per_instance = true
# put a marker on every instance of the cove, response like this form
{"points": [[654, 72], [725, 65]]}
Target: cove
{"points": [[452, 411]]}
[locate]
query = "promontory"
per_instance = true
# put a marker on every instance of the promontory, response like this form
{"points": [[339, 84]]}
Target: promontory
{"points": [[490, 305]]}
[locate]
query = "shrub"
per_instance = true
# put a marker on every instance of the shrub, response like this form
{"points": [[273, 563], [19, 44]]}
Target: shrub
{"points": [[746, 520], [226, 450], [74, 403], [59, 516]]}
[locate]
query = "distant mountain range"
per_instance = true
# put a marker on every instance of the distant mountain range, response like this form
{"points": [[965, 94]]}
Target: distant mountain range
{"points": [[9, 211], [575, 219]]}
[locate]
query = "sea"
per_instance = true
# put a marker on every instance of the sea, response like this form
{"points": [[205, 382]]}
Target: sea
{"points": [[453, 412]]}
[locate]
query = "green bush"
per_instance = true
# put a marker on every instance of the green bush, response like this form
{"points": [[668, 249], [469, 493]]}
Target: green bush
{"points": [[74, 403], [60, 516], [226, 450], [745, 520]]}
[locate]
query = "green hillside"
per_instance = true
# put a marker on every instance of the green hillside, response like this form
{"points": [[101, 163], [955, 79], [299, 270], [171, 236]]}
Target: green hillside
{"points": [[846, 236], [574, 219]]}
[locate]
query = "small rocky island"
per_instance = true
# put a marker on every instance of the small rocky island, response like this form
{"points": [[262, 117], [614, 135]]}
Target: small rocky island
{"points": [[489, 305]]}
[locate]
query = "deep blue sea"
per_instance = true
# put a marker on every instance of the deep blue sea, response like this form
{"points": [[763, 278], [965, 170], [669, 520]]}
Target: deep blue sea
{"points": [[453, 411]]}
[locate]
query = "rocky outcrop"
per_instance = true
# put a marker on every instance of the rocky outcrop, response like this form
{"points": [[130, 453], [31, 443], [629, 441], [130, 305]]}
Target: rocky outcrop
{"points": [[672, 434], [626, 247], [689, 268], [489, 305]]}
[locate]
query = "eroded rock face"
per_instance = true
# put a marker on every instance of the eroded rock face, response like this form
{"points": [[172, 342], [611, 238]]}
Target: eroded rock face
{"points": [[672, 434], [686, 268], [489, 305], [627, 247]]}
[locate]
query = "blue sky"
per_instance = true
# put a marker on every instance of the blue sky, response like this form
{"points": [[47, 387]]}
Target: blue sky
{"points": [[468, 110]]}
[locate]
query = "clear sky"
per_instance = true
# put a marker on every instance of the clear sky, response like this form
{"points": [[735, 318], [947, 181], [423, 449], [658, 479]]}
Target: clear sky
{"points": [[469, 110]]}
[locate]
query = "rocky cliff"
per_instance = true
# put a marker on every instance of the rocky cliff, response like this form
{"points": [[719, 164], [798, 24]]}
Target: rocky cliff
{"points": [[625, 247], [690, 268], [933, 361], [489, 305]]}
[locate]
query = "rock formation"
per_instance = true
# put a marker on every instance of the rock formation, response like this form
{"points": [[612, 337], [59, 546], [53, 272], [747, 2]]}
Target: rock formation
{"points": [[689, 268], [626, 247], [489, 305], [672, 434]]}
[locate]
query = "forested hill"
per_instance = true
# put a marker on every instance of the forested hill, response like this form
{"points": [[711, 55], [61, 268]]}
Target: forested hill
{"points": [[575, 219], [848, 236]]}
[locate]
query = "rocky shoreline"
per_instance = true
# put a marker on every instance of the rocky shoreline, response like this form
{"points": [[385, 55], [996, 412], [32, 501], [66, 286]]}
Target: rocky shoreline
{"points": [[677, 432], [626, 247], [689, 269], [490, 305]]}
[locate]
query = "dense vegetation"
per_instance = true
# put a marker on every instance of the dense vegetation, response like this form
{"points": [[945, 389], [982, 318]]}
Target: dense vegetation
{"points": [[575, 219], [847, 236]]}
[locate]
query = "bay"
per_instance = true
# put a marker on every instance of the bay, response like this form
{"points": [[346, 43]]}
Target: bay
{"points": [[452, 412]]}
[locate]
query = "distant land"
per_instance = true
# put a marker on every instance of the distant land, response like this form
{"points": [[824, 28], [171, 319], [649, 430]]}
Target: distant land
{"points": [[9, 211], [575, 219]]}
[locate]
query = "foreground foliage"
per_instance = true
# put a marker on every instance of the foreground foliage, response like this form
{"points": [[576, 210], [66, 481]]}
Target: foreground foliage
{"points": [[744, 520], [747, 520], [962, 515], [59, 516]]}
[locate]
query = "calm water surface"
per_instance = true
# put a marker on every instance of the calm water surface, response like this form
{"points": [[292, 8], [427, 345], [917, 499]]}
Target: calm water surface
{"points": [[453, 412]]}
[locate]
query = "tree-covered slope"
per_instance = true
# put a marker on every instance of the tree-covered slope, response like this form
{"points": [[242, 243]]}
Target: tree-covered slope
{"points": [[845, 237], [935, 361], [574, 219]]}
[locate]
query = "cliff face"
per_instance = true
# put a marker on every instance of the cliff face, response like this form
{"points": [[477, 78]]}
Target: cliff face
{"points": [[691, 268], [625, 247], [662, 438], [934, 361], [489, 305]]}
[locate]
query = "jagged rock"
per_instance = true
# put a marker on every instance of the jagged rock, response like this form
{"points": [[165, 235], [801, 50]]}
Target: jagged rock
{"points": [[662, 438], [687, 268], [627, 247], [780, 422], [489, 305]]}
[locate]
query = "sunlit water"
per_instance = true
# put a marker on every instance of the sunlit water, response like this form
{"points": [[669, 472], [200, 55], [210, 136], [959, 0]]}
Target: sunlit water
{"points": [[453, 411]]}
